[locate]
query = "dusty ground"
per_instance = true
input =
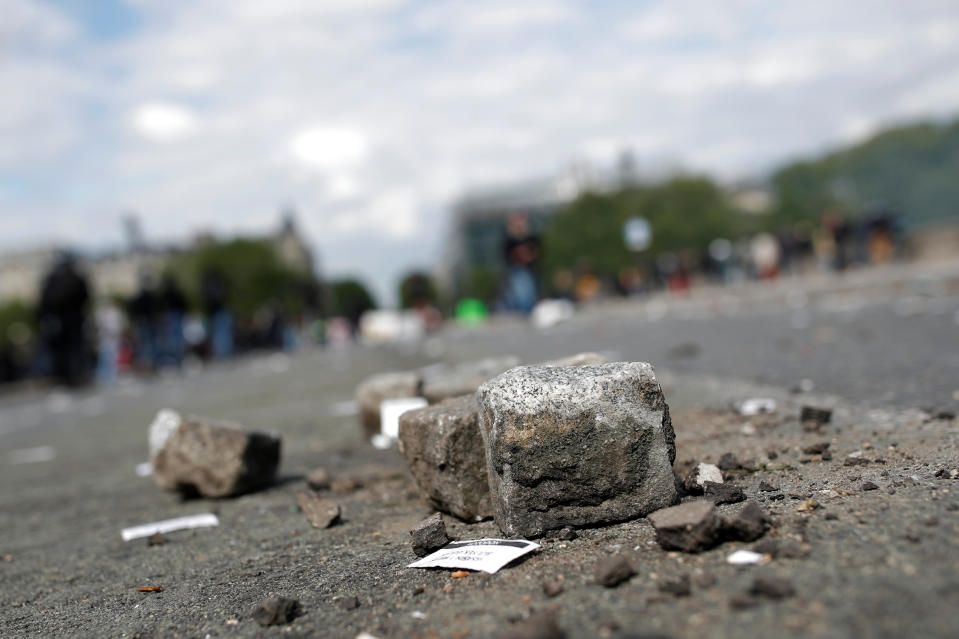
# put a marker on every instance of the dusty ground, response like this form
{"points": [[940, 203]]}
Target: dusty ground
{"points": [[876, 563]]}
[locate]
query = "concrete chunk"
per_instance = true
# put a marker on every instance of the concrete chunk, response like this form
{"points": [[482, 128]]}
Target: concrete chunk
{"points": [[373, 390], [576, 446], [444, 449], [429, 535], [215, 459]]}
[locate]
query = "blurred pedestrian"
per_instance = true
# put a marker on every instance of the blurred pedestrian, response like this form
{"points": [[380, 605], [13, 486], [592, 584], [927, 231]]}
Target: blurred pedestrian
{"points": [[61, 316], [173, 308], [521, 249], [213, 290], [144, 310], [109, 320]]}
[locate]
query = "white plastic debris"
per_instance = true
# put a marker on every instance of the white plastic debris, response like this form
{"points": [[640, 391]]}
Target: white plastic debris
{"points": [[204, 520], [32, 455], [756, 406], [744, 558], [390, 411], [418, 614], [381, 441], [549, 313], [144, 469], [488, 555]]}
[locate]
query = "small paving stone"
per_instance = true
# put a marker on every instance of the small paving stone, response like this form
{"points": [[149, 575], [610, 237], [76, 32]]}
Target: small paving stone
{"points": [[215, 459], [816, 449], [766, 487], [465, 378], [612, 571], [429, 535], [772, 587], [868, 485], [691, 527], [723, 493], [321, 512], [275, 611], [318, 479], [813, 416]]}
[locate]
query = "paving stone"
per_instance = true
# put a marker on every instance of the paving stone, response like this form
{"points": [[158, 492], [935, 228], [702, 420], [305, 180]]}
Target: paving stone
{"points": [[749, 524], [465, 378], [321, 512], [691, 527], [612, 571], [723, 493], [576, 446], [371, 392], [695, 482], [215, 459], [444, 449]]}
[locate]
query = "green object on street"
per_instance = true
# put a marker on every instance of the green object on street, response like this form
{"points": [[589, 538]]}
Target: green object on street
{"points": [[470, 312]]}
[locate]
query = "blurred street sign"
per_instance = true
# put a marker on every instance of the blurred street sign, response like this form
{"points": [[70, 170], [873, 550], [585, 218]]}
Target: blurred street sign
{"points": [[637, 233]]}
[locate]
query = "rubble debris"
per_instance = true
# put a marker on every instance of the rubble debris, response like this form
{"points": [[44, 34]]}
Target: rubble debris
{"points": [[215, 459], [696, 480], [566, 534], [749, 524], [756, 406], [579, 359], [539, 625], [812, 418], [322, 513], [552, 587], [729, 462], [681, 586], [466, 378], [444, 449], [371, 392], [767, 546], [156, 539], [855, 461], [868, 485], [613, 416], [772, 587], [808, 505], [816, 449], [275, 611], [766, 487], [429, 535], [723, 493], [318, 479], [691, 527], [612, 571]]}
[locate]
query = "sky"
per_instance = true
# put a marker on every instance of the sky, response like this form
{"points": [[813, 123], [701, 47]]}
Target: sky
{"points": [[370, 117]]}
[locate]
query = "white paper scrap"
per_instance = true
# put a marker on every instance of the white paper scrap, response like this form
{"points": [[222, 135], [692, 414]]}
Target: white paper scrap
{"points": [[757, 406], [203, 520], [391, 409], [488, 555], [744, 558]]}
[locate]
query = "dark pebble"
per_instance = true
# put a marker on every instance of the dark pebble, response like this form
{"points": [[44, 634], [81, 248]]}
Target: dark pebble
{"points": [[772, 587], [868, 485], [816, 449], [275, 611], [723, 493], [552, 587], [680, 586], [855, 461], [429, 535], [156, 539], [728, 462], [612, 571], [831, 516], [566, 534], [766, 487]]}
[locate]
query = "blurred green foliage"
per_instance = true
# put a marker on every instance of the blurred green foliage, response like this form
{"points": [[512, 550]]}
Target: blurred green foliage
{"points": [[20, 317], [913, 170], [685, 213], [350, 299], [482, 283], [254, 274], [417, 287]]}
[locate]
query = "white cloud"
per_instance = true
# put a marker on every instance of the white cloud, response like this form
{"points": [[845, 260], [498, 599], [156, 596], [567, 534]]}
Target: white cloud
{"points": [[330, 149], [163, 121]]}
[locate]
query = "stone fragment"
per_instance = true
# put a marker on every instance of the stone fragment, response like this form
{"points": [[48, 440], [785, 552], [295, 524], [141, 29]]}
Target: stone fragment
{"points": [[275, 611], [679, 586], [766, 487], [566, 534], [539, 625], [576, 446], [318, 479], [767, 546], [466, 378], [723, 493], [429, 535], [742, 602], [215, 459], [552, 587], [728, 462], [868, 485], [816, 449], [772, 587], [349, 602], [373, 390], [156, 539], [579, 359], [696, 480], [855, 461], [322, 513], [443, 447], [691, 527], [612, 571], [812, 417], [808, 505], [748, 524]]}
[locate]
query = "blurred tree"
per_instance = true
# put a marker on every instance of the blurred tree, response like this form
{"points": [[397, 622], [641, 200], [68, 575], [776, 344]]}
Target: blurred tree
{"points": [[684, 213], [482, 283], [417, 287], [254, 277], [910, 169], [350, 299]]}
